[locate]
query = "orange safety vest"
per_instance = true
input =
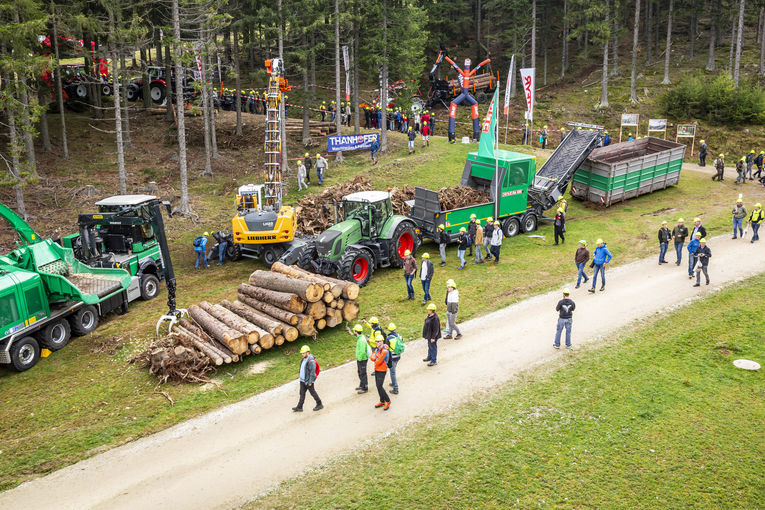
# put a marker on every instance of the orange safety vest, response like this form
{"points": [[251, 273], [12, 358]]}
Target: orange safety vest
{"points": [[379, 359]]}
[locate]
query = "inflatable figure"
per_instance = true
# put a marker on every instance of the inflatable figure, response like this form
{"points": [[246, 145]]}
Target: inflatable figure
{"points": [[465, 74]]}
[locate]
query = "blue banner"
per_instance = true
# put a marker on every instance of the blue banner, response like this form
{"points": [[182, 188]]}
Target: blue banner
{"points": [[351, 142]]}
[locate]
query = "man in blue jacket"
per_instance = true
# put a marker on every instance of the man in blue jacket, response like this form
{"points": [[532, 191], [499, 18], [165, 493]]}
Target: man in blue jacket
{"points": [[600, 257], [693, 246], [200, 249]]}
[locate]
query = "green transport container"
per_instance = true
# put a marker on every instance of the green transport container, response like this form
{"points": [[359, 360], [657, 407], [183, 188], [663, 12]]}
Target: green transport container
{"points": [[629, 169]]}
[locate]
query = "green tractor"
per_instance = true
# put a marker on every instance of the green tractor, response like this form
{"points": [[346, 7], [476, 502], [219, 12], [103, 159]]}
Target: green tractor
{"points": [[368, 237]]}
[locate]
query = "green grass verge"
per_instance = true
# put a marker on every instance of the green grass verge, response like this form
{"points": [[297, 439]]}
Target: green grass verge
{"points": [[85, 397], [657, 417]]}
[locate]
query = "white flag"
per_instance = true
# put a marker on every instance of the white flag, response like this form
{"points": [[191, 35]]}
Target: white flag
{"points": [[508, 83], [527, 79]]}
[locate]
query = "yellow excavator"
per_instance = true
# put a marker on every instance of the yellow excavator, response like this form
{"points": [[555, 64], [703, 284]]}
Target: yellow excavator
{"points": [[263, 227]]}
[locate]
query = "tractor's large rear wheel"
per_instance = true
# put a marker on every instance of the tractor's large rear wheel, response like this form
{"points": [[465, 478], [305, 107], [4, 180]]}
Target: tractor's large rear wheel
{"points": [[356, 266], [157, 92], [404, 238]]}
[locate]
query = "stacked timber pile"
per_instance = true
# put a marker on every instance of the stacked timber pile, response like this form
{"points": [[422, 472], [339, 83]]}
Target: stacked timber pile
{"points": [[318, 129], [452, 197], [272, 308]]}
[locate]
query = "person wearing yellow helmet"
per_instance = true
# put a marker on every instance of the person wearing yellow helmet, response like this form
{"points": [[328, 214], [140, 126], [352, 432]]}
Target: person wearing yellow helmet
{"points": [[396, 347], [308, 162], [758, 163], [426, 275], [301, 173], [200, 250], [496, 241], [565, 309], [471, 233], [307, 374], [703, 254], [679, 233], [431, 332], [720, 167], [600, 259], [581, 257], [559, 226], [452, 302], [381, 357], [441, 238], [739, 215], [363, 350], [749, 162], [740, 171], [693, 247], [698, 228], [464, 243], [410, 270], [703, 153], [664, 236], [478, 242], [755, 218], [488, 231], [321, 167]]}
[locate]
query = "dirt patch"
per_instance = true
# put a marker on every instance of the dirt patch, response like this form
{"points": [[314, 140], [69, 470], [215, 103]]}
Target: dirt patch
{"points": [[660, 211], [260, 367], [108, 346]]}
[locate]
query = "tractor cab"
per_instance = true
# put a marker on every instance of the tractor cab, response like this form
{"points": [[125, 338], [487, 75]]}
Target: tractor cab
{"points": [[370, 208]]}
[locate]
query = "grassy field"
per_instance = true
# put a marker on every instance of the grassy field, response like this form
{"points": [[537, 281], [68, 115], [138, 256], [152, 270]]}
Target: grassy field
{"points": [[86, 397], [657, 417]]}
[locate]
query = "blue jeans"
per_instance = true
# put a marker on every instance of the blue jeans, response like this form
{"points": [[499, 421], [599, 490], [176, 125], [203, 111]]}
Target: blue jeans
{"points": [[426, 290], [755, 233], [662, 251], [478, 254], [581, 274], [692, 259], [320, 173], [738, 223], [564, 323], [409, 278], [222, 252], [432, 350], [598, 269], [392, 370], [461, 256], [679, 251], [201, 257]]}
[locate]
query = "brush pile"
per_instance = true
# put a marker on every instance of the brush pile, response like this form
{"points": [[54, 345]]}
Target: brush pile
{"points": [[272, 308]]}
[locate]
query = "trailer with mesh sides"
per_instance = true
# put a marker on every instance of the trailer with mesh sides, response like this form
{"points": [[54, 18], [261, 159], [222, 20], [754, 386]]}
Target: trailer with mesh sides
{"points": [[629, 169]]}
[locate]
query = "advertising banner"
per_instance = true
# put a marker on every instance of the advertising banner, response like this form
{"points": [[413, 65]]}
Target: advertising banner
{"points": [[508, 83], [342, 143], [527, 79]]}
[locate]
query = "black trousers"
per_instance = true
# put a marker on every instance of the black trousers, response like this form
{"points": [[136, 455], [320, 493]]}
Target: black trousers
{"points": [[379, 381], [361, 366], [495, 251], [311, 390], [559, 234]]}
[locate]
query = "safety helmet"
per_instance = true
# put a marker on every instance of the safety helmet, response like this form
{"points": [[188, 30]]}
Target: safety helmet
{"points": [[751, 151], [407, 253], [206, 233], [696, 219], [425, 123], [583, 242], [358, 328], [307, 155], [426, 255], [441, 226], [722, 155], [478, 222], [698, 234], [762, 152], [305, 349], [379, 337], [473, 216], [566, 292], [451, 284], [432, 306], [374, 320], [599, 241], [703, 240], [758, 204], [318, 155], [743, 158], [410, 128], [463, 229], [545, 126], [680, 220], [702, 141], [490, 219], [664, 222], [391, 327], [560, 210], [739, 201]]}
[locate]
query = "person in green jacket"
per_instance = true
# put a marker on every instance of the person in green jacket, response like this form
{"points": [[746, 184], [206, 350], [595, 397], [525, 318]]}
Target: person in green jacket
{"points": [[362, 356]]}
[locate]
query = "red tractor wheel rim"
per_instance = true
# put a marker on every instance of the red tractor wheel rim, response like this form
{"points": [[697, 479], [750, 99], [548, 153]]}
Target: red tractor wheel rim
{"points": [[405, 242], [360, 269]]}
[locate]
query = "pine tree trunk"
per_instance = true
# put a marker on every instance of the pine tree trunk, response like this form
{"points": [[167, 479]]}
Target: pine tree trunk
{"points": [[635, 32], [338, 118], [604, 79], [170, 87], [648, 29], [218, 330], [44, 133], [313, 66], [184, 207], [206, 114], [237, 84], [284, 300], [692, 34], [564, 48], [309, 291], [478, 14], [384, 81], [250, 331], [211, 109], [614, 70], [667, 53], [355, 66], [26, 128], [282, 113], [59, 88], [147, 102], [712, 39], [14, 149], [306, 111], [732, 48], [125, 103], [280, 314], [739, 43], [121, 172], [533, 33], [762, 43]]}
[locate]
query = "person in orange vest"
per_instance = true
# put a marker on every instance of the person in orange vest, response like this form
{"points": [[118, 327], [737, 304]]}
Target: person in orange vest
{"points": [[380, 358]]}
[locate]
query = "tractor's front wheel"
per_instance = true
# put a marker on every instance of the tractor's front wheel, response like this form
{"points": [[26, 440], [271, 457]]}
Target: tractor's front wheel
{"points": [[307, 256], [356, 266], [404, 238], [234, 251]]}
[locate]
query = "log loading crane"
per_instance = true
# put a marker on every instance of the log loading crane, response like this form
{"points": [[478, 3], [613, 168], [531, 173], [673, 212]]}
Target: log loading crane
{"points": [[263, 227]]}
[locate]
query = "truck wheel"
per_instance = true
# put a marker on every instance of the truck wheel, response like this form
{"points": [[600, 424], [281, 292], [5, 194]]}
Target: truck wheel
{"points": [[529, 223], [307, 256], [511, 227], [404, 238], [234, 251], [84, 321], [56, 335], [25, 354], [157, 92], [356, 266], [106, 89], [133, 92], [271, 255], [149, 286]]}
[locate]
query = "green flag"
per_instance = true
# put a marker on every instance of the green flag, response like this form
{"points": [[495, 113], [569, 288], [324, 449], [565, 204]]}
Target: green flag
{"points": [[489, 128]]}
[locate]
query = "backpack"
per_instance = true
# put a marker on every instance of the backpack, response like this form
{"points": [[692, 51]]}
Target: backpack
{"points": [[198, 242], [318, 369], [400, 346]]}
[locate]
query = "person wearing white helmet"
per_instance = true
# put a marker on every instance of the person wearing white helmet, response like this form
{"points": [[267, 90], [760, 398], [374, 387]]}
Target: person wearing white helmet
{"points": [[565, 309], [307, 375]]}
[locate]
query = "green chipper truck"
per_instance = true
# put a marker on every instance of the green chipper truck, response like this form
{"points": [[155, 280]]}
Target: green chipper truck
{"points": [[47, 295]]}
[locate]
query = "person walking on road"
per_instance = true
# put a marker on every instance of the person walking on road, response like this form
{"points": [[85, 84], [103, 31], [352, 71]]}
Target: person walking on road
{"points": [[301, 173], [431, 332], [720, 167], [380, 358], [200, 249], [488, 230], [755, 218], [703, 254], [664, 236], [363, 350], [410, 270], [307, 375], [739, 215], [478, 241], [679, 233], [580, 259], [560, 226], [749, 163], [740, 171], [496, 241], [703, 154], [452, 302], [373, 149], [464, 241], [426, 275], [441, 239], [565, 309], [758, 164], [396, 347], [693, 247], [411, 136], [600, 259]]}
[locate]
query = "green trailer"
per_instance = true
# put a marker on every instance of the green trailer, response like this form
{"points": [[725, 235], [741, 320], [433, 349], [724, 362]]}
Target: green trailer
{"points": [[629, 169]]}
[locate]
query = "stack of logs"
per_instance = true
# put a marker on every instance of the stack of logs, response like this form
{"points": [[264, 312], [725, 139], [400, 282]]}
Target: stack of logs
{"points": [[317, 129], [274, 307]]}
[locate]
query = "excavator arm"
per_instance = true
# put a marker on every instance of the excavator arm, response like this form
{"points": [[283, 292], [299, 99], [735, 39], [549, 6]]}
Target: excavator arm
{"points": [[273, 144], [26, 232]]}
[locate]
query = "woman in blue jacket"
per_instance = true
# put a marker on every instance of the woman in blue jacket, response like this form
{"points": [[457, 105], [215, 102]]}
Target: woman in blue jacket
{"points": [[600, 257]]}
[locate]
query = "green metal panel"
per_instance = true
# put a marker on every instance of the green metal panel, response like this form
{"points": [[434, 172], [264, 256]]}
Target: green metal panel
{"points": [[627, 181]]}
